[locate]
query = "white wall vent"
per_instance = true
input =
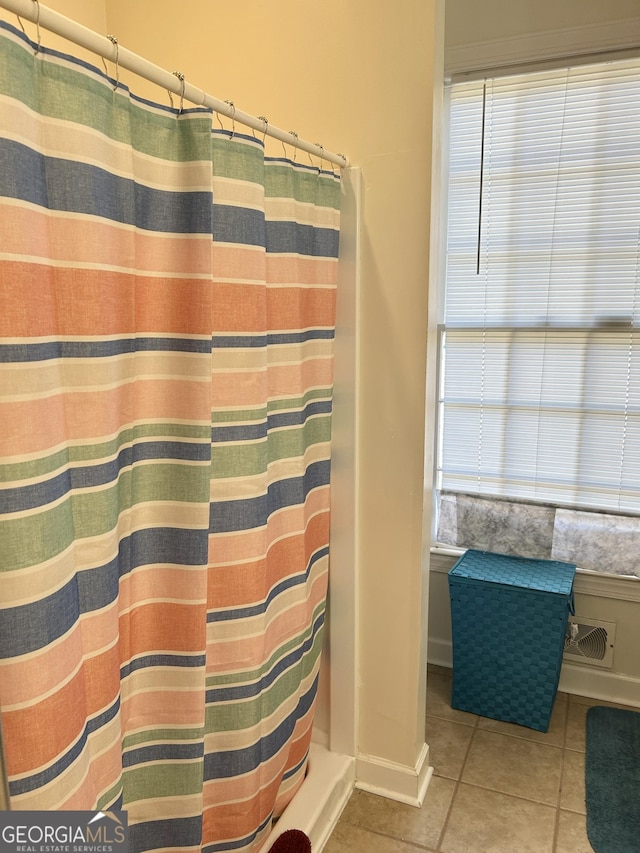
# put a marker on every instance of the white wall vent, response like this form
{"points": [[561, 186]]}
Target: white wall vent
{"points": [[589, 641]]}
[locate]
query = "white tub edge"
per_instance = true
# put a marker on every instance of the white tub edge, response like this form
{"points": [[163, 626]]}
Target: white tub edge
{"points": [[318, 804]]}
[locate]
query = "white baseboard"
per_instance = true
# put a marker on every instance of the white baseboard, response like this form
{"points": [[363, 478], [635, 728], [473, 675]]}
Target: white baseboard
{"points": [[600, 684], [578, 679], [440, 652], [395, 781]]}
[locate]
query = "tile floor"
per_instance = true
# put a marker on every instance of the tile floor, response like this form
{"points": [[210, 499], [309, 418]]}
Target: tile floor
{"points": [[496, 788]]}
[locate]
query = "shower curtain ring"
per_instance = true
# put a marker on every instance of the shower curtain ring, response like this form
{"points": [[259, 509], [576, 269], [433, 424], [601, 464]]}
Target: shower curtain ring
{"points": [[321, 147], [180, 77], [114, 42], [266, 127], [37, 2], [295, 147], [233, 118]]}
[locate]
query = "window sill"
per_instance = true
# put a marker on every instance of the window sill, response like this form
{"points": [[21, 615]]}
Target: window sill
{"points": [[588, 582]]}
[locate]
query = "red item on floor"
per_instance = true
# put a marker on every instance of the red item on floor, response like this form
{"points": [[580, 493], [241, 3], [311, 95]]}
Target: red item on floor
{"points": [[291, 841]]}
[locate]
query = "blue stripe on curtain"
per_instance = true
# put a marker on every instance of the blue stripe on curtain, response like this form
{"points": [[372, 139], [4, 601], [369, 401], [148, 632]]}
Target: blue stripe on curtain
{"points": [[278, 420], [166, 834], [247, 513], [220, 341], [163, 661], [234, 761], [34, 495], [72, 187], [28, 627], [122, 346], [100, 348]]}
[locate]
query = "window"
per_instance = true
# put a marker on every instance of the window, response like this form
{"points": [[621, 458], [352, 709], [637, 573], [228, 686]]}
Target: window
{"points": [[540, 387]]}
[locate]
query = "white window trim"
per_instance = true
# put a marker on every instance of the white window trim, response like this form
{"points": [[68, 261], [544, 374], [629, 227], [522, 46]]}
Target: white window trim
{"points": [[590, 41]]}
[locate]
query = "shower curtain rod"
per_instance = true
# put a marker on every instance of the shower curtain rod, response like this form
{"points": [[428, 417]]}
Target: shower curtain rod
{"points": [[44, 17]]}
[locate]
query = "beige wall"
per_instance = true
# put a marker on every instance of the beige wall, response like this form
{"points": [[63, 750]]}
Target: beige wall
{"points": [[358, 77], [89, 13]]}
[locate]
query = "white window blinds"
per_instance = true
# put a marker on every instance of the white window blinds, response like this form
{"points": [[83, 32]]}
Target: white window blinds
{"points": [[541, 349]]}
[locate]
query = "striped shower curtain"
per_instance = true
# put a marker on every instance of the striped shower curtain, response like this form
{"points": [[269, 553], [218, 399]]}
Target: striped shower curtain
{"points": [[167, 321]]}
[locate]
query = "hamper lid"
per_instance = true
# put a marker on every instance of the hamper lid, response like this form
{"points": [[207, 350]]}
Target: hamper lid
{"points": [[544, 575]]}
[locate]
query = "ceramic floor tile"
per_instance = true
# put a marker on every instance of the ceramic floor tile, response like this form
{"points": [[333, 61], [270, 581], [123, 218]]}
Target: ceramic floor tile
{"points": [[512, 781], [576, 721], [572, 789], [347, 838], [436, 808], [439, 700], [421, 826], [514, 766], [448, 746], [484, 821], [554, 736], [572, 834]]}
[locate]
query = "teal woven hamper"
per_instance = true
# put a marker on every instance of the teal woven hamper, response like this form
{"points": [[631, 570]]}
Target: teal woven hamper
{"points": [[509, 617]]}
